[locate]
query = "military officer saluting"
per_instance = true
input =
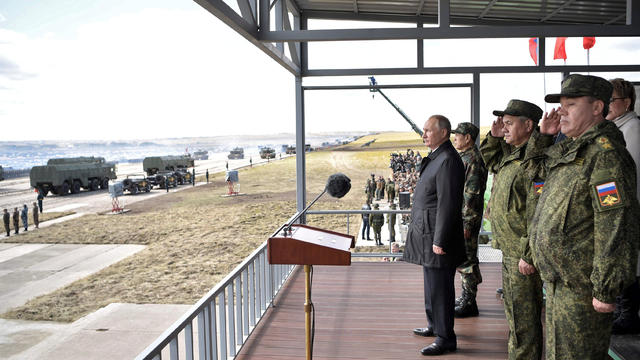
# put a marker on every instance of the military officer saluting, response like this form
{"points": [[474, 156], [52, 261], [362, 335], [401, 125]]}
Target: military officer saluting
{"points": [[584, 234], [512, 151], [472, 206]]}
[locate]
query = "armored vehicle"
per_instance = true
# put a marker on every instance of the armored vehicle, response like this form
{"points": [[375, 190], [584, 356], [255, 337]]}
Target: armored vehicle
{"points": [[1, 173], [183, 176], [267, 153], [155, 164], [201, 155], [291, 150], [60, 176], [236, 153], [136, 184]]}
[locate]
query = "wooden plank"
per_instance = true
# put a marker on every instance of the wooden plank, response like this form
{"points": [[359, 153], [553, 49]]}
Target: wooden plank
{"points": [[368, 311]]}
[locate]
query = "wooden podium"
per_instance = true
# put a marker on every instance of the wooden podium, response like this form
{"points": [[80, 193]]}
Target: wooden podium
{"points": [[307, 245]]}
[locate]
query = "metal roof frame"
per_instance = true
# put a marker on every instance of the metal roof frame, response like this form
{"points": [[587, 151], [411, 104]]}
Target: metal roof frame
{"points": [[432, 19]]}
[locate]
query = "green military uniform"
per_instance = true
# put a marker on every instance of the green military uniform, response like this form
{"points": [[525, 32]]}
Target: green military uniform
{"points": [[376, 221], [513, 203], [391, 190], [472, 208], [584, 233], [370, 189], [391, 220]]}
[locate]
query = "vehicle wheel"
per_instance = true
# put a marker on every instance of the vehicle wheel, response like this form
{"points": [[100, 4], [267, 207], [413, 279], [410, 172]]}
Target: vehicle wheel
{"points": [[42, 191], [75, 188], [134, 189], [105, 184], [181, 181], [94, 185], [64, 189], [147, 188]]}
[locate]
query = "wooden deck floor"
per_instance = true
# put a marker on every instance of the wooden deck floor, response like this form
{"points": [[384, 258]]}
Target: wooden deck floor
{"points": [[367, 311]]}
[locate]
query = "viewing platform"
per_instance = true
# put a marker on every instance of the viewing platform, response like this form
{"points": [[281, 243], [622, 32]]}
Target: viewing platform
{"points": [[368, 310]]}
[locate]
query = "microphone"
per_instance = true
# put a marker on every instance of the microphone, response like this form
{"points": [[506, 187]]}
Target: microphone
{"points": [[338, 185]]}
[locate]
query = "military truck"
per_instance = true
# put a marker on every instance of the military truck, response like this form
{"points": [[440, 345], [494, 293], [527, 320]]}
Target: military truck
{"points": [[201, 155], [236, 153], [183, 176], [155, 164], [159, 179], [267, 153], [136, 184], [62, 175]]}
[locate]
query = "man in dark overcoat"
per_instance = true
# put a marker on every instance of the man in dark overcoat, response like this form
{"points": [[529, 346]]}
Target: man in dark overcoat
{"points": [[435, 238]]}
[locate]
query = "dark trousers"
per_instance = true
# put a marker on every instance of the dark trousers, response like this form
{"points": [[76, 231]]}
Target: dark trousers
{"points": [[40, 205], [439, 303], [365, 227]]}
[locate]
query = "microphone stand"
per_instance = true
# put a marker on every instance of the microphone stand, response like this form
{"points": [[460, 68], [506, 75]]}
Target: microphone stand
{"points": [[307, 280]]}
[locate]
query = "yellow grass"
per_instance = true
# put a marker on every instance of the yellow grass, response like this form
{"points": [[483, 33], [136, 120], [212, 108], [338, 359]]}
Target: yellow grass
{"points": [[195, 237]]}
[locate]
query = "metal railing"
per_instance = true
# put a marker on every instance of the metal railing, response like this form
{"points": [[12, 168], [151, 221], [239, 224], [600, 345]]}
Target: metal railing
{"points": [[226, 316]]}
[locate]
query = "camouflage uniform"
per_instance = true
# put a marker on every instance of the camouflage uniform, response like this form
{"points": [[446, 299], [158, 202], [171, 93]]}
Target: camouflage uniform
{"points": [[391, 190], [376, 220], [513, 202], [472, 206], [584, 232], [370, 189], [391, 220]]}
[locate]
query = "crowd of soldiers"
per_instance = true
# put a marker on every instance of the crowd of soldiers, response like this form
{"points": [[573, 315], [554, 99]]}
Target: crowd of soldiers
{"points": [[21, 215], [405, 169]]}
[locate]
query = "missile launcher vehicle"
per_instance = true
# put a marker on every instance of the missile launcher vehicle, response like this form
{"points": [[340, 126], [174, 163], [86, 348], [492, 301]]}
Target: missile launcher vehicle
{"points": [[155, 164], [61, 176]]}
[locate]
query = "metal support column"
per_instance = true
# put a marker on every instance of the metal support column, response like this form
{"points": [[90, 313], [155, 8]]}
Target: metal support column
{"points": [[301, 172], [475, 101]]}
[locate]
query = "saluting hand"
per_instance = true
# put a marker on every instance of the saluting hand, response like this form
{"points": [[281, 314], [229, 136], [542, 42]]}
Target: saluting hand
{"points": [[602, 307], [497, 127], [550, 124]]}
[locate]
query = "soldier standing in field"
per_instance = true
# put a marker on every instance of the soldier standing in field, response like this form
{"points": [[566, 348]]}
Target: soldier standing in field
{"points": [[472, 205], [16, 220], [513, 150], [391, 220], [391, 190], [584, 233], [24, 214], [207, 173], [377, 220], [36, 218], [40, 198], [7, 223]]}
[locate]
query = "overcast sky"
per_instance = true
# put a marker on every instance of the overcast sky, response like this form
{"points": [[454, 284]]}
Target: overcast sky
{"points": [[117, 69]]}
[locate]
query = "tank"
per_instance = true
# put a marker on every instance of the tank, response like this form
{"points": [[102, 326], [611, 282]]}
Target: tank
{"points": [[61, 176], [154, 164], [291, 150], [267, 153], [236, 153], [201, 155]]}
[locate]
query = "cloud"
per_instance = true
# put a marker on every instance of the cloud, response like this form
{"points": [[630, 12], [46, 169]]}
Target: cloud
{"points": [[2, 18], [12, 71]]}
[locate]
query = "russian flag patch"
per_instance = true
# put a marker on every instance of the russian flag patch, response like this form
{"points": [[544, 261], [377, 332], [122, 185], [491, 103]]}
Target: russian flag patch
{"points": [[608, 194], [538, 186]]}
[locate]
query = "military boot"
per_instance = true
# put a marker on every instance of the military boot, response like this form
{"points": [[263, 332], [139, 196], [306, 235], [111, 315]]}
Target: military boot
{"points": [[460, 299], [468, 307]]}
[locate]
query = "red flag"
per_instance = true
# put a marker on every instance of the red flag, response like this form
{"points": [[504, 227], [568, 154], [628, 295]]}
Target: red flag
{"points": [[559, 52], [588, 42], [533, 49]]}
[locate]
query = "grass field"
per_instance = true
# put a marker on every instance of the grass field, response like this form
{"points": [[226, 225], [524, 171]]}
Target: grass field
{"points": [[196, 236]]}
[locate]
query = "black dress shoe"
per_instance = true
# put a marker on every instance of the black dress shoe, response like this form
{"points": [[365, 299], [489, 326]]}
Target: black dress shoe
{"points": [[435, 349], [423, 331]]}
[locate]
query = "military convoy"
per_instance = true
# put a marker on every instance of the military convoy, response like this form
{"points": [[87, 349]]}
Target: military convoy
{"points": [[170, 167], [64, 175], [236, 153], [267, 153]]}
